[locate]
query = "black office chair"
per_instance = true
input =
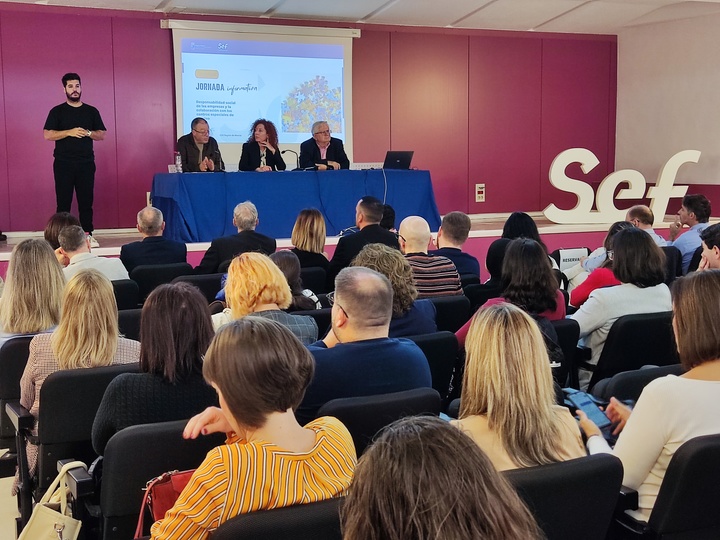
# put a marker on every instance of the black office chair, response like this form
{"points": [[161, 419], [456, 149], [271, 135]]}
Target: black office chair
{"points": [[135, 455], [209, 284], [451, 312], [628, 385], [129, 323], [571, 499], [686, 507], [673, 263], [635, 341], [321, 316], [149, 276], [441, 351], [312, 521], [313, 278], [365, 416], [695, 261], [127, 293], [469, 279], [568, 333], [479, 294], [13, 357]]}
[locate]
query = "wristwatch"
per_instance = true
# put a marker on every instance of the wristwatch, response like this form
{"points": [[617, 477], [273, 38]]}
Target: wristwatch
{"points": [[89, 133]]}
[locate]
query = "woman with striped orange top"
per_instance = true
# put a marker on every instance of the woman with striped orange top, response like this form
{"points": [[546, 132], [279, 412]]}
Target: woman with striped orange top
{"points": [[260, 371]]}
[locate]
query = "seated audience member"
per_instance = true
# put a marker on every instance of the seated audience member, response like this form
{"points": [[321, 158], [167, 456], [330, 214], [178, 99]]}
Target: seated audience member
{"points": [[323, 151], [423, 479], [494, 261], [255, 285], [643, 218], [260, 372], [388, 220], [521, 225], [710, 248], [434, 275], [508, 398], [199, 152], [671, 410], [175, 332], [639, 265], [289, 265], [86, 337], [308, 237], [154, 248], [602, 276], [245, 218], [261, 153], [451, 236], [57, 223], [597, 258], [410, 317], [357, 358], [32, 296], [368, 214], [75, 247], [695, 213]]}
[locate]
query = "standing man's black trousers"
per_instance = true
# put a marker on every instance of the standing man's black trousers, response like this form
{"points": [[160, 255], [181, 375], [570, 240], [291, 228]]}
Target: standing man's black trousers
{"points": [[80, 177]]}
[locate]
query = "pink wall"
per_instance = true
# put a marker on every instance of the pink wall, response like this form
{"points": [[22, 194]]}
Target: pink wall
{"points": [[476, 106]]}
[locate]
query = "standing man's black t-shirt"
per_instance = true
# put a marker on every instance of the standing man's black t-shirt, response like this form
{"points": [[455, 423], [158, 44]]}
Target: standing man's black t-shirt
{"points": [[63, 117]]}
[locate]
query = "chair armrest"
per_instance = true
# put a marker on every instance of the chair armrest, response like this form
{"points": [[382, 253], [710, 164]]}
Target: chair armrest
{"points": [[79, 481], [19, 416], [627, 500]]}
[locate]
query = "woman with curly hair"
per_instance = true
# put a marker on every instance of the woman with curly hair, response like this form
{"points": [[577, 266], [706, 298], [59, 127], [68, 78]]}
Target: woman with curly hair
{"points": [[261, 153], [410, 316]]}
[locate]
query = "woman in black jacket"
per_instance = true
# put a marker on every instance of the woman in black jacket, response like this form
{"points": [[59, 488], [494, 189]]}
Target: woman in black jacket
{"points": [[261, 153]]}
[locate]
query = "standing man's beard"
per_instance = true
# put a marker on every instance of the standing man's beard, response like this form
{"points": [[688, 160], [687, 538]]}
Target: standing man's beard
{"points": [[74, 99]]}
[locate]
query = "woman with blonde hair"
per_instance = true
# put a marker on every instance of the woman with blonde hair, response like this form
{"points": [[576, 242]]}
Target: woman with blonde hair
{"points": [[508, 399], [308, 237], [86, 337], [255, 285], [410, 317], [33, 290]]}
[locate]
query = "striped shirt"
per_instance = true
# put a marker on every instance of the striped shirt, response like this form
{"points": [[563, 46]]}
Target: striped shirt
{"points": [[434, 275], [241, 477]]}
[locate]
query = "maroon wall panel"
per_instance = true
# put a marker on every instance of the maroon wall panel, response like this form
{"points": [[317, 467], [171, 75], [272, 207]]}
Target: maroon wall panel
{"points": [[429, 109], [37, 50], [371, 96], [4, 182], [145, 109], [504, 131], [578, 109]]}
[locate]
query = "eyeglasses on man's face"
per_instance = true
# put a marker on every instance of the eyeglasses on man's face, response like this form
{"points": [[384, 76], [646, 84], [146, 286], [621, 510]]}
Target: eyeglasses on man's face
{"points": [[326, 132], [331, 300]]}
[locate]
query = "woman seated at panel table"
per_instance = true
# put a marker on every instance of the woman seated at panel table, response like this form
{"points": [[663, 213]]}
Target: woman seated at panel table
{"points": [[261, 153]]}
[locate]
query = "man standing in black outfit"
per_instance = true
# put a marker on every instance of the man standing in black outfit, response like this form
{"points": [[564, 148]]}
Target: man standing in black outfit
{"points": [[74, 126]]}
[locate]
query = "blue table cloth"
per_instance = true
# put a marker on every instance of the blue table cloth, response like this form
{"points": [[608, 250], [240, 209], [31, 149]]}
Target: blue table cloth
{"points": [[199, 206]]}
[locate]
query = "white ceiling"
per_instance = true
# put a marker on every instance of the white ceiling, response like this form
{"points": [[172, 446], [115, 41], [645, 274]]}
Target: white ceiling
{"points": [[574, 16]]}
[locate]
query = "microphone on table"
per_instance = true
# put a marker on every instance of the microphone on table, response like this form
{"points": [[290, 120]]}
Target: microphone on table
{"points": [[217, 158], [297, 158]]}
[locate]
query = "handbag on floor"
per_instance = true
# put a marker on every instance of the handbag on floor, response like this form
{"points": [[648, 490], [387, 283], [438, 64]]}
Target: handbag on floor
{"points": [[161, 494], [51, 518]]}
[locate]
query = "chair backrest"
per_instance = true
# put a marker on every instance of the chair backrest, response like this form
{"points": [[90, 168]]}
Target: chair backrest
{"points": [[479, 294], [69, 399], [135, 455], [571, 499], [321, 316], [451, 312], [628, 385], [695, 261], [635, 341], [568, 257], [209, 284], [313, 278], [673, 263], [686, 506], [469, 279], [13, 357], [568, 333], [149, 276], [312, 521], [127, 293], [129, 323], [441, 351], [365, 416]]}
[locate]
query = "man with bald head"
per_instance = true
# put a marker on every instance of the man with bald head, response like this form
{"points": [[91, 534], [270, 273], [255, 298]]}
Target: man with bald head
{"points": [[643, 218], [154, 248], [434, 275], [357, 358]]}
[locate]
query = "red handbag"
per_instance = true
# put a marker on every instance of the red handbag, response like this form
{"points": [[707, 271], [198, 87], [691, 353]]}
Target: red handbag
{"points": [[161, 494]]}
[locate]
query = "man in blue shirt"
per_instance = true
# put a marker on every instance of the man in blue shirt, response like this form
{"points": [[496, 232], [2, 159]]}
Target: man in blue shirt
{"points": [[695, 213]]}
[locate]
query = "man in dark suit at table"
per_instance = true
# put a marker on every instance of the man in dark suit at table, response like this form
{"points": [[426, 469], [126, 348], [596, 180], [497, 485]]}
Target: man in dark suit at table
{"points": [[368, 214], [323, 151], [245, 218], [199, 152], [154, 248]]}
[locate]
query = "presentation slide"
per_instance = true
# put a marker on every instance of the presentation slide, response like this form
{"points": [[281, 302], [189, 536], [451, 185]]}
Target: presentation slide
{"points": [[231, 83]]}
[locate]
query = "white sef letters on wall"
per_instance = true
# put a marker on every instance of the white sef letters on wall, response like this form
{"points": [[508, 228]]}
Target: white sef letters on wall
{"points": [[606, 211]]}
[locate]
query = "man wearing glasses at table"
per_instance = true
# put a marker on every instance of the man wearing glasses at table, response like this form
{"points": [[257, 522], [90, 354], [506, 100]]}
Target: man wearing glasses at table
{"points": [[323, 152], [198, 150]]}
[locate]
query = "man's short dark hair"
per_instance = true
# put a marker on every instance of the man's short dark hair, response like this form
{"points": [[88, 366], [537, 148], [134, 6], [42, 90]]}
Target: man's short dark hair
{"points": [[456, 227], [711, 236], [70, 77], [699, 205], [197, 121], [71, 238], [372, 208], [388, 219]]}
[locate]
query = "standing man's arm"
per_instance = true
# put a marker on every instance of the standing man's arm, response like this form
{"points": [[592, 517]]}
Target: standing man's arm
{"points": [[98, 135], [56, 135]]}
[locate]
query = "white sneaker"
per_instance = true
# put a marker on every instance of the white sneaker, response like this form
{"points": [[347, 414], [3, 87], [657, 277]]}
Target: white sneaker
{"points": [[93, 242]]}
